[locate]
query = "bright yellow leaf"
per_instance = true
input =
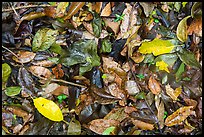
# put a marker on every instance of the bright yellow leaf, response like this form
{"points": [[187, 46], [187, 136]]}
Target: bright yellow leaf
{"points": [[162, 66], [48, 109], [157, 47]]}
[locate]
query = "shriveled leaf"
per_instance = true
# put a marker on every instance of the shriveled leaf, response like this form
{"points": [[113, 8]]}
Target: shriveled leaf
{"points": [[154, 86], [73, 9], [74, 127], [173, 93], [24, 56], [157, 47], [43, 39], [181, 31], [109, 130], [107, 10], [58, 71], [48, 109], [178, 116], [100, 125], [12, 91], [142, 125], [97, 25], [189, 59], [6, 71], [162, 66], [83, 52]]}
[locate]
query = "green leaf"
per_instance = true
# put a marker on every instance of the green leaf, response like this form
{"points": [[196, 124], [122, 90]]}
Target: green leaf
{"points": [[83, 52], [179, 72], [104, 76], [97, 25], [6, 71], [106, 46], [43, 39], [196, 9], [177, 6], [157, 47], [61, 98], [181, 31], [74, 127], [52, 3], [55, 60], [140, 95], [188, 58], [12, 91], [184, 4], [56, 48], [170, 59], [108, 130]]}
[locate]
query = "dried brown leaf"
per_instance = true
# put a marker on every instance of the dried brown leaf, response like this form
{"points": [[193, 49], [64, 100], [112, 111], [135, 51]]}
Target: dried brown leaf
{"points": [[173, 93], [115, 91], [40, 71], [154, 86], [24, 56], [195, 27], [43, 63], [99, 125], [115, 26], [58, 71], [61, 90], [98, 6], [142, 125], [191, 102], [107, 10], [178, 116]]}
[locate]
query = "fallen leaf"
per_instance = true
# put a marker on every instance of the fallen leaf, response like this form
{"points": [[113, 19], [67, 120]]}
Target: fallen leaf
{"points": [[142, 125], [24, 56], [98, 6], [147, 7], [18, 112], [6, 71], [106, 10], [48, 109], [40, 71], [154, 86], [190, 102], [115, 26], [74, 127], [61, 9], [73, 9], [173, 93], [12, 91], [181, 31], [160, 112], [178, 116], [162, 66], [61, 90], [109, 130], [114, 90], [58, 71], [131, 87], [157, 47], [195, 27], [118, 114], [100, 125]]}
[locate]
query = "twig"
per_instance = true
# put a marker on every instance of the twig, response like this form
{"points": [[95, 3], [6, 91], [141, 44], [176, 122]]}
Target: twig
{"points": [[70, 83], [23, 7], [14, 10]]}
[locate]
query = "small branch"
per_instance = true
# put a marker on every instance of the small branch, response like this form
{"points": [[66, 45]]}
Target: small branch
{"points": [[70, 83], [24, 7], [14, 10]]}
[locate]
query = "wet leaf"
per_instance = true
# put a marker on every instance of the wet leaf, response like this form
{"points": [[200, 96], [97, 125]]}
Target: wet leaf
{"points": [[109, 130], [83, 52], [162, 66], [6, 71], [181, 31], [154, 86], [178, 116], [189, 59], [157, 47], [12, 91], [73, 9], [74, 127], [100, 125], [173, 93], [106, 10], [48, 109], [106, 46], [97, 25], [24, 56], [142, 125], [43, 39]]}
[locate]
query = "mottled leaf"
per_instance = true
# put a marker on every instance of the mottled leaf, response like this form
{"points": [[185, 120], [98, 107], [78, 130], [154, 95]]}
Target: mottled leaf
{"points": [[74, 127], [181, 31], [106, 46], [43, 39], [154, 86], [24, 56], [12, 91], [173, 93], [157, 47], [178, 116], [97, 25]]}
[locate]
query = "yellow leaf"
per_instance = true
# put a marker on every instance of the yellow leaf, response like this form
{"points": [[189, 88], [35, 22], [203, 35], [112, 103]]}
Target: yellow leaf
{"points": [[48, 109], [173, 93], [178, 116], [157, 47], [162, 65]]}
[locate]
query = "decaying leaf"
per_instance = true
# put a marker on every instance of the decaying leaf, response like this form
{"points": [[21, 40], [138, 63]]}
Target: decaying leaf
{"points": [[195, 27], [157, 47], [178, 116], [100, 125], [131, 87], [114, 90], [154, 86], [58, 71], [24, 56], [48, 109], [181, 31], [173, 93], [40, 71], [74, 127], [117, 114], [142, 125], [107, 10], [160, 111]]}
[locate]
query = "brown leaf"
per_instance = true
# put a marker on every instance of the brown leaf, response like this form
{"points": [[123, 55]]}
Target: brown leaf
{"points": [[114, 90], [115, 26], [154, 86], [107, 10], [61, 90], [18, 112], [160, 114], [40, 71], [191, 102], [99, 125], [178, 116], [43, 63], [73, 9], [50, 11], [195, 27], [142, 125], [98, 6], [173, 93], [24, 56], [58, 71], [88, 27]]}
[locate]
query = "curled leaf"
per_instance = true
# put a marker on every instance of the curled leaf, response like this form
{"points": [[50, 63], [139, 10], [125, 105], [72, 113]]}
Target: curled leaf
{"points": [[178, 116], [154, 86], [181, 31], [48, 109], [157, 47]]}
